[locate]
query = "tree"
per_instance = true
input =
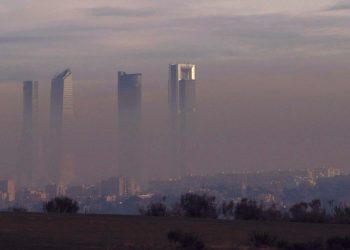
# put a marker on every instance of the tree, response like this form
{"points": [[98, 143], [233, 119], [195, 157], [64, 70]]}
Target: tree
{"points": [[198, 206], [248, 210], [272, 213], [308, 212], [17, 209], [228, 209], [341, 214], [317, 213], [61, 205], [298, 211], [155, 209]]}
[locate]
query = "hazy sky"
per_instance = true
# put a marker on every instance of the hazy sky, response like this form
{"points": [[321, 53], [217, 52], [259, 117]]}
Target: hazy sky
{"points": [[101, 35], [273, 78]]}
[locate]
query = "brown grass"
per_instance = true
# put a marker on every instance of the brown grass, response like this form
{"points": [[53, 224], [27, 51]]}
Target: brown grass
{"points": [[107, 232]]}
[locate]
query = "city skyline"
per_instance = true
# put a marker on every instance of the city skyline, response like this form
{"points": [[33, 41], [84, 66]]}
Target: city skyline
{"points": [[271, 89], [129, 115]]}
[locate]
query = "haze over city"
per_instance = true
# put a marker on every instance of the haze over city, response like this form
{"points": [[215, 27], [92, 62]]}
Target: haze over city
{"points": [[272, 82], [183, 124]]}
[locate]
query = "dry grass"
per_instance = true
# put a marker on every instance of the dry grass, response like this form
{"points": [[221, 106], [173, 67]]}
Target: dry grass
{"points": [[105, 232]]}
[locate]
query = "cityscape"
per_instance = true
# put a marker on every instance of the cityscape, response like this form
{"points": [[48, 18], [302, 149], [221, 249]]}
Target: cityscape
{"points": [[32, 185], [162, 125], [125, 192]]}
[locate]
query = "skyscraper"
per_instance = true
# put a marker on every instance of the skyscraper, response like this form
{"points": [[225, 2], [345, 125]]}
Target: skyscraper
{"points": [[61, 163], [182, 106], [129, 99], [129, 118], [28, 149], [182, 92]]}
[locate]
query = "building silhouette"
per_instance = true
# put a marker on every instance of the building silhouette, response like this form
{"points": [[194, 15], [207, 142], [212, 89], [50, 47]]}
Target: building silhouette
{"points": [[129, 119], [28, 148], [182, 107], [61, 161]]}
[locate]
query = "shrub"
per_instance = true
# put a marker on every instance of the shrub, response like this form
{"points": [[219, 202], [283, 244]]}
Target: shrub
{"points": [[61, 205], [341, 214], [311, 245], [227, 209], [260, 239], [263, 239], [186, 240], [338, 243], [298, 211], [155, 209], [308, 212], [272, 214], [248, 210], [198, 206], [17, 209]]}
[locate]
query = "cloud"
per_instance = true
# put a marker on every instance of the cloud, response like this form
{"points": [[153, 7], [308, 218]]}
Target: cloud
{"points": [[339, 6], [152, 31], [118, 12]]}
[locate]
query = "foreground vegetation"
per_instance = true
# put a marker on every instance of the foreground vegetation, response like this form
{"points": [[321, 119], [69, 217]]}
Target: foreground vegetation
{"points": [[107, 232], [195, 222], [204, 206]]}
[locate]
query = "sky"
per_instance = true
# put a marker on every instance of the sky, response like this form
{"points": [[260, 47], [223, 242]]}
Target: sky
{"points": [[39, 36], [272, 79]]}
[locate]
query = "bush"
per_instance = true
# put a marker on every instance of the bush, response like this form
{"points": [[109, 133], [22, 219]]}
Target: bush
{"points": [[312, 245], [186, 240], [17, 209], [248, 210], [272, 214], [338, 243], [227, 209], [198, 206], [341, 214], [61, 205], [308, 212], [298, 211], [155, 209], [260, 239], [263, 239]]}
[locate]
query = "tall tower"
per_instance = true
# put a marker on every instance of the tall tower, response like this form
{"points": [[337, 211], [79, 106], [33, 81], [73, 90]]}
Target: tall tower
{"points": [[129, 119], [182, 92], [28, 149], [182, 106], [61, 163]]}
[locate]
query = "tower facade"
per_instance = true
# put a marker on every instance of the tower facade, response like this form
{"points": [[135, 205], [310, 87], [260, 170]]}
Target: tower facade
{"points": [[28, 149], [61, 163], [129, 119], [129, 99], [181, 89], [182, 107]]}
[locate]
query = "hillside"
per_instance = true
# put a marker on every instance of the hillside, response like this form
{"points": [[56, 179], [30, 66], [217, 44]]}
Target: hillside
{"points": [[107, 232]]}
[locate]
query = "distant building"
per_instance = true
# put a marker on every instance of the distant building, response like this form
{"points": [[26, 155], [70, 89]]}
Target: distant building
{"points": [[119, 186], [129, 119], [182, 107], [8, 190], [129, 100], [132, 187], [182, 89], [28, 148], [55, 190], [61, 162]]}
